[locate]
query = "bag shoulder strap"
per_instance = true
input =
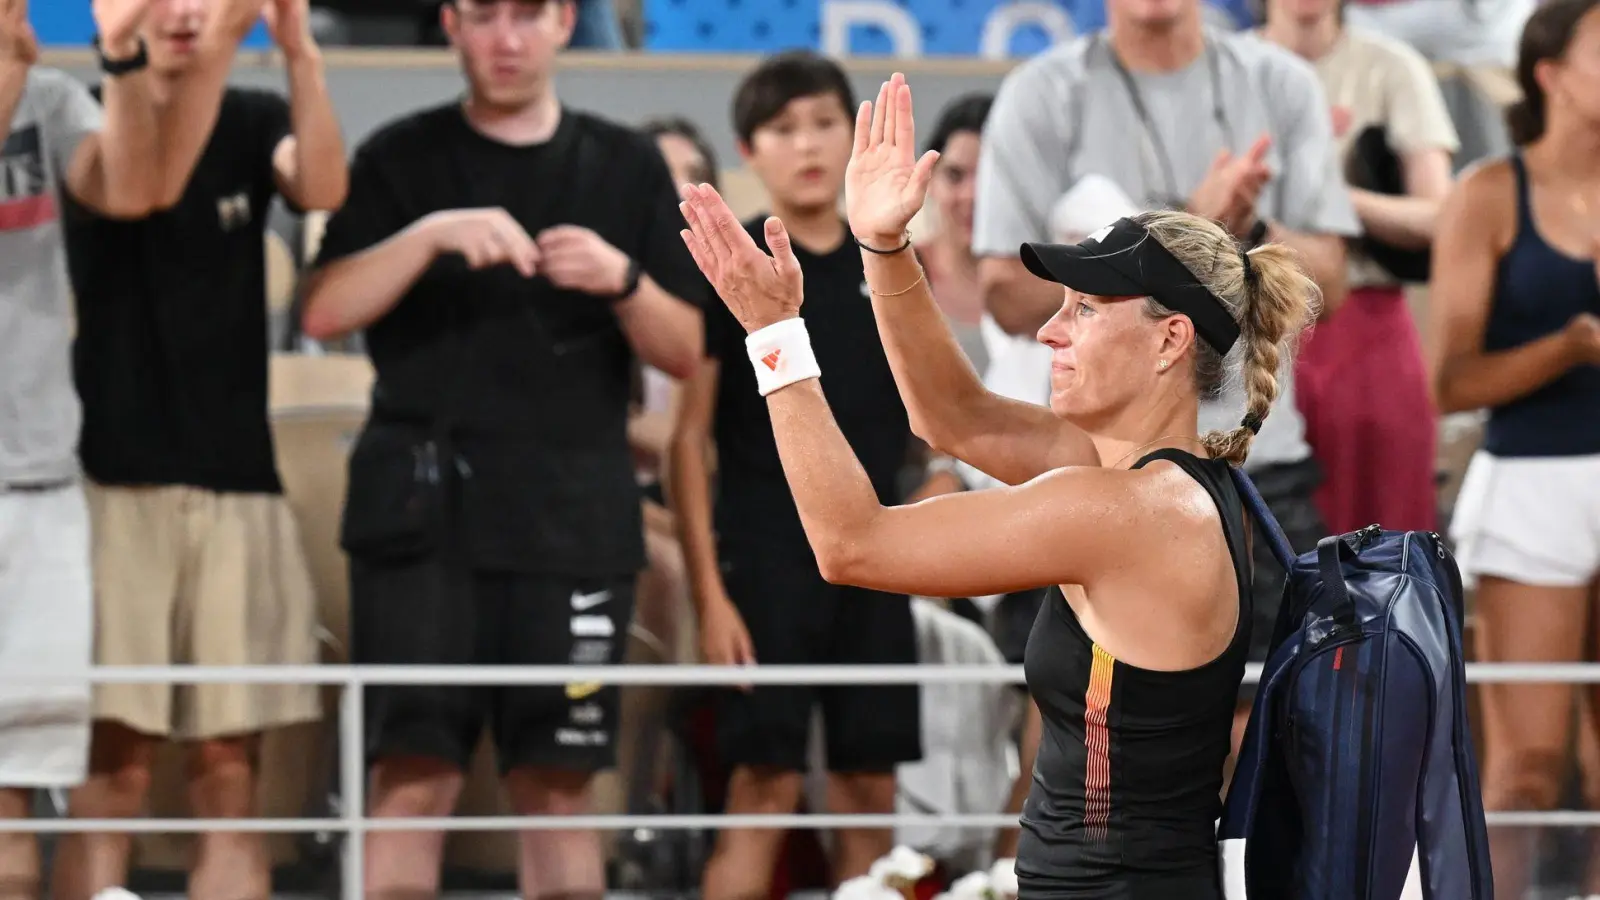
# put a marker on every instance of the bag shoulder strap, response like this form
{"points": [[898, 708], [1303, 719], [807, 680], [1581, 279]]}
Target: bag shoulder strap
{"points": [[1282, 551]]}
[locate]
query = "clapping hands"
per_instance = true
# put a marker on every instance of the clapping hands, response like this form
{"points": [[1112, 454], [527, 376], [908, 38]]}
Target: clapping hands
{"points": [[886, 182]]}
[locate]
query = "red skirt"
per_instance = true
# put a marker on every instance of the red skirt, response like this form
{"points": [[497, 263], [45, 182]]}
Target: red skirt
{"points": [[1362, 387]]}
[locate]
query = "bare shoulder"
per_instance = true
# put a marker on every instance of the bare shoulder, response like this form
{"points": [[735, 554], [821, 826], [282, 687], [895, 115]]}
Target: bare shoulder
{"points": [[1485, 198], [1155, 504]]}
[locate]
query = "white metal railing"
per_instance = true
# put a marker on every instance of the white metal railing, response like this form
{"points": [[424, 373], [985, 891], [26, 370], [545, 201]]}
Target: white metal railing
{"points": [[354, 824]]}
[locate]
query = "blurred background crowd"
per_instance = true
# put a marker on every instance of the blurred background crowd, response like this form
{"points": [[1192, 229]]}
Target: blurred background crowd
{"points": [[316, 330]]}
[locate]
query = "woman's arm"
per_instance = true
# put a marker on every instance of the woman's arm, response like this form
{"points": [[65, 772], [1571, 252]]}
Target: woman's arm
{"points": [[1408, 221], [948, 405], [1069, 526], [1474, 231]]}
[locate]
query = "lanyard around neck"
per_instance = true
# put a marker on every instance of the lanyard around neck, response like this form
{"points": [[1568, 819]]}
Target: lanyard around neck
{"points": [[1152, 135]]}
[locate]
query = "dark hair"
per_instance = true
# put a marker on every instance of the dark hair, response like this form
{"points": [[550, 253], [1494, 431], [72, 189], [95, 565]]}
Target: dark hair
{"points": [[683, 128], [1547, 35], [965, 113], [781, 79]]}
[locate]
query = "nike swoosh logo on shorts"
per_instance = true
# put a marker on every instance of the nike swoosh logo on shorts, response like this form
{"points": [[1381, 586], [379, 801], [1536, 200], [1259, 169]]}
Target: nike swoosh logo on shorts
{"points": [[582, 601]]}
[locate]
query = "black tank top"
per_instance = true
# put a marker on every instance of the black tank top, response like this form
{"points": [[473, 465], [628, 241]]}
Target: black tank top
{"points": [[1126, 785], [1537, 291]]}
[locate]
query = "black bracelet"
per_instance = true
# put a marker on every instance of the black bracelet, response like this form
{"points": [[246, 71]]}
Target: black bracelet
{"points": [[119, 67], [900, 249], [630, 282]]}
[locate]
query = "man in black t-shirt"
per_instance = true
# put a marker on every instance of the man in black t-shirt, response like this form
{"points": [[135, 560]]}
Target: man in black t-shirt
{"points": [[197, 558], [508, 258], [754, 577]]}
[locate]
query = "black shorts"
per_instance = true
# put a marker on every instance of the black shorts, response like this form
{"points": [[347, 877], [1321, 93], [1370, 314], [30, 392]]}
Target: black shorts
{"points": [[427, 613], [1288, 491], [796, 618]]}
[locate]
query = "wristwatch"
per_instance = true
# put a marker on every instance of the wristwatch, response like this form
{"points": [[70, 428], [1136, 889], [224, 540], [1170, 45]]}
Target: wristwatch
{"points": [[116, 67], [630, 282]]}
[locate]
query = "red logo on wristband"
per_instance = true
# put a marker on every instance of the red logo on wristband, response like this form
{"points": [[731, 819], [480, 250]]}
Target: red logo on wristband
{"points": [[771, 359]]}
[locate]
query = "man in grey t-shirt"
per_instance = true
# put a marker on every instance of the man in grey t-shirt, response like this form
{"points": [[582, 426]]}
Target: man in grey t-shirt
{"points": [[53, 138], [1162, 112]]}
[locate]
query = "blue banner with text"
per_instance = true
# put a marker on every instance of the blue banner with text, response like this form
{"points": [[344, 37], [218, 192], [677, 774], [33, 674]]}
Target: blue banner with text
{"points": [[68, 23], [994, 29]]}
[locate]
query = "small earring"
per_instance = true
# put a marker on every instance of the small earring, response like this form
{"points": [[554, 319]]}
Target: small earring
{"points": [[1163, 364]]}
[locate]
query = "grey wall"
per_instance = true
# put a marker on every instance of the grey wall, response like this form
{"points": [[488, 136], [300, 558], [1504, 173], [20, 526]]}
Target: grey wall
{"points": [[373, 87]]}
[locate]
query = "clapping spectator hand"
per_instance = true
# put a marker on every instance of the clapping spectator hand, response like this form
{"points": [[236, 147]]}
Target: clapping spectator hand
{"points": [[1584, 333], [577, 259], [118, 22], [1232, 187], [886, 182], [484, 237], [17, 41], [289, 24]]}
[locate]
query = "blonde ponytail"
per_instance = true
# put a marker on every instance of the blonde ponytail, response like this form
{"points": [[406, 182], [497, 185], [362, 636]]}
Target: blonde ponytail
{"points": [[1267, 293]]}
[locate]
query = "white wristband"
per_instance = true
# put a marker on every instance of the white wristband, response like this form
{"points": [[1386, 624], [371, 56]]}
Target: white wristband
{"points": [[781, 355]]}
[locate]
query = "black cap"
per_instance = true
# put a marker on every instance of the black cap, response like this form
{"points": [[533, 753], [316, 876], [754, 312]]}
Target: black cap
{"points": [[1123, 260]]}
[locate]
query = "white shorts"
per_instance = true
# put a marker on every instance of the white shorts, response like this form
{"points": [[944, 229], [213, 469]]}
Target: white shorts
{"points": [[1532, 520], [46, 617]]}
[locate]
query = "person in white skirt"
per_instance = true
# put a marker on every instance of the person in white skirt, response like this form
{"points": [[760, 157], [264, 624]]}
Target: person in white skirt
{"points": [[1517, 317]]}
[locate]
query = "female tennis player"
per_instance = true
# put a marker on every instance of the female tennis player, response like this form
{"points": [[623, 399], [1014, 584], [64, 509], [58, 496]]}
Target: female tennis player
{"points": [[1136, 658]]}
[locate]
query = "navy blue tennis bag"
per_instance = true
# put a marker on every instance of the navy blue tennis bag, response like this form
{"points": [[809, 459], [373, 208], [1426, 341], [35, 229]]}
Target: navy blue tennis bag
{"points": [[1357, 778]]}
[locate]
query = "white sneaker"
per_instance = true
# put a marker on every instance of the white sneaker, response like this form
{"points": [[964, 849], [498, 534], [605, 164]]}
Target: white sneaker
{"points": [[116, 893]]}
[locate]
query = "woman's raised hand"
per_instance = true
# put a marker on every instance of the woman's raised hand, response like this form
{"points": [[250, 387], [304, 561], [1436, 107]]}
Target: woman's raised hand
{"points": [[886, 181], [758, 289]]}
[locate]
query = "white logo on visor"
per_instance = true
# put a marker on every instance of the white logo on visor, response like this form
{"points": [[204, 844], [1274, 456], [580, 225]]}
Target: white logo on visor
{"points": [[1100, 235]]}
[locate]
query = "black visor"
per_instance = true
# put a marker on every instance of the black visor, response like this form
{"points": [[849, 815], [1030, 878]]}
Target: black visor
{"points": [[1123, 260]]}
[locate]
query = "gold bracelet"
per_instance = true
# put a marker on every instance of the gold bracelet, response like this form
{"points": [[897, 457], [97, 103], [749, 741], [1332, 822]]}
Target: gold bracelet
{"points": [[922, 275]]}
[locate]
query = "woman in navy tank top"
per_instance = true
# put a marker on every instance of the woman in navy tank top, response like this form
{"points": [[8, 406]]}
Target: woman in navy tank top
{"points": [[1516, 296], [1119, 504]]}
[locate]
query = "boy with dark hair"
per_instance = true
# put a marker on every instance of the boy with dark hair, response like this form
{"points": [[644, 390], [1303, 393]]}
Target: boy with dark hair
{"points": [[754, 578], [508, 258]]}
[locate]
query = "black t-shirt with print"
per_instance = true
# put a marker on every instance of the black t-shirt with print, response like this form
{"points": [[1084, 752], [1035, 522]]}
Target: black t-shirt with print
{"points": [[753, 499], [171, 352], [535, 379]]}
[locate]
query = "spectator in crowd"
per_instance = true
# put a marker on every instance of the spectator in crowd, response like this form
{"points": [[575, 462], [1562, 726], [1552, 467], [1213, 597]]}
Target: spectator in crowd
{"points": [[1159, 111], [1462, 32], [664, 610], [54, 140], [952, 269], [197, 556], [1517, 322], [509, 257], [1361, 382], [755, 581]]}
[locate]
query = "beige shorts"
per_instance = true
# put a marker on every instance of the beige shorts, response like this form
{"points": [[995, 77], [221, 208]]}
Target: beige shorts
{"points": [[189, 576]]}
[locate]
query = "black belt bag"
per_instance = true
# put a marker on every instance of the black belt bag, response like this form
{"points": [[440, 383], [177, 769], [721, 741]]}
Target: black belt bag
{"points": [[398, 497]]}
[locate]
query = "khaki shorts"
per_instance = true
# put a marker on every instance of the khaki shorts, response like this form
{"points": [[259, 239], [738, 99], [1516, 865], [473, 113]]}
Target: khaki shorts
{"points": [[189, 576]]}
